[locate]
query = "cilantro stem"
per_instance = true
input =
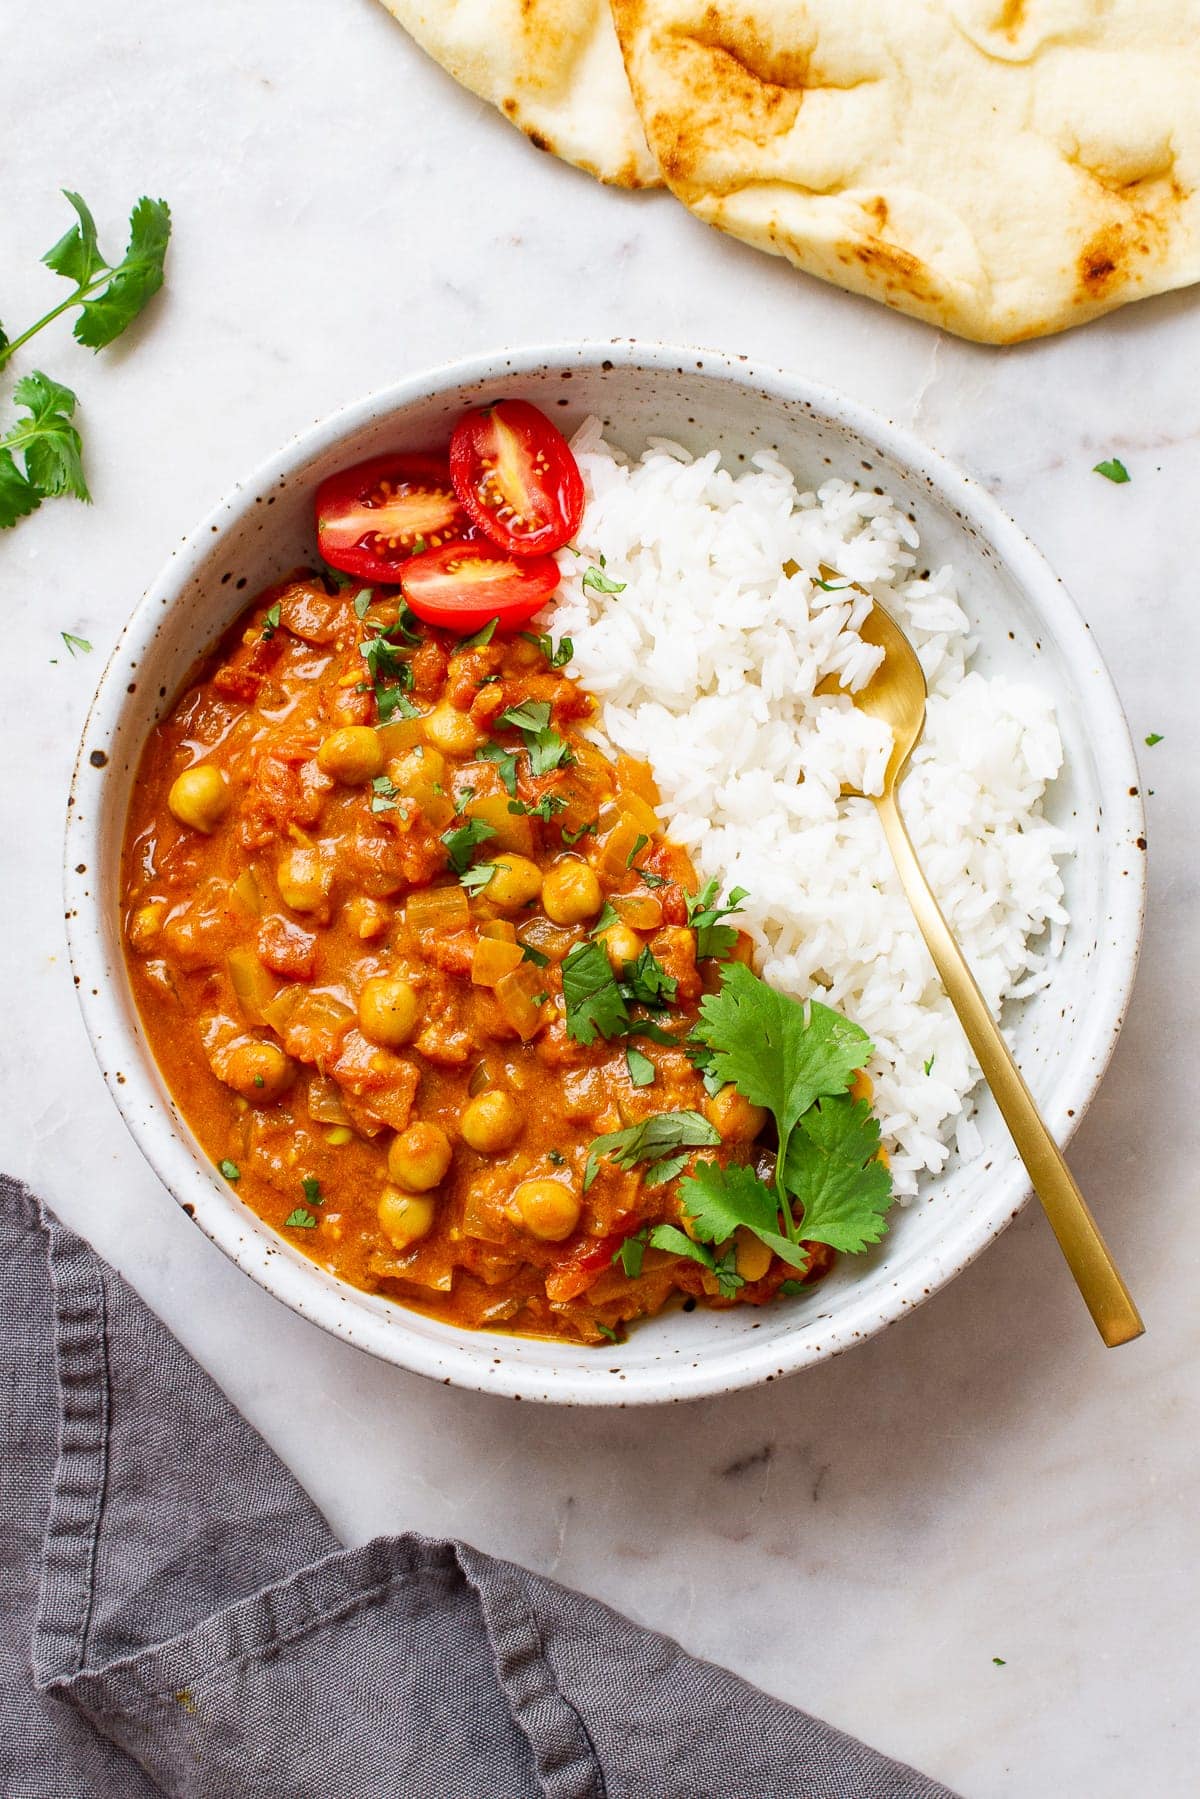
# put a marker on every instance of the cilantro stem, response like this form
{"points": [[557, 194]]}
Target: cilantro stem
{"points": [[80, 294], [789, 1223]]}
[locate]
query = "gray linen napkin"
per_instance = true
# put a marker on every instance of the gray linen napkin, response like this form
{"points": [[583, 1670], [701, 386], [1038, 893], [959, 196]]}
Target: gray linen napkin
{"points": [[178, 1617]]}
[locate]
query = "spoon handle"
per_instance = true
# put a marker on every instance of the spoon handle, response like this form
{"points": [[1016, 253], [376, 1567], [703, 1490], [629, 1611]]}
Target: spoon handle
{"points": [[1105, 1293]]}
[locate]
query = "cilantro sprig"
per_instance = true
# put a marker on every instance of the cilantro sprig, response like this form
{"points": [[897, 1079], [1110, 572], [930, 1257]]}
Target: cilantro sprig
{"points": [[546, 749], [705, 912], [109, 295], [40, 456], [598, 1002], [657, 1141]]}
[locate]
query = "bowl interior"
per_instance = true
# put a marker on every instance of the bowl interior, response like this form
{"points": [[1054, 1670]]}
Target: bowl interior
{"points": [[1026, 626]]}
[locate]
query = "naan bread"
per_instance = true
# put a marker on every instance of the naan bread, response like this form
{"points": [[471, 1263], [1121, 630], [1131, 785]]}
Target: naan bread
{"points": [[552, 66], [1004, 168]]}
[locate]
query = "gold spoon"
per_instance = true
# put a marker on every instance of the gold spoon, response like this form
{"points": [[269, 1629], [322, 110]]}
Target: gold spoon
{"points": [[896, 694]]}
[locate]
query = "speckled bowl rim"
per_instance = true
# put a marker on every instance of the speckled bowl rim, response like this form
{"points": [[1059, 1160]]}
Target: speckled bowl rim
{"points": [[475, 1359]]}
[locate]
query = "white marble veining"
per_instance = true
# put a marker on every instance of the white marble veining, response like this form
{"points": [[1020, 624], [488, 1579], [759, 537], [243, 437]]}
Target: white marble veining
{"points": [[981, 1481]]}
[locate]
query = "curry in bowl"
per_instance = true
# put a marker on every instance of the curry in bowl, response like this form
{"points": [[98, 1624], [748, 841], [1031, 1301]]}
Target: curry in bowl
{"points": [[423, 970]]}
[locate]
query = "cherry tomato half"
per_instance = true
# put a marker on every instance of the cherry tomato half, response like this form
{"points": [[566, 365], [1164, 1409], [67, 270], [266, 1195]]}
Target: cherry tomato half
{"points": [[371, 518], [517, 478], [462, 585]]}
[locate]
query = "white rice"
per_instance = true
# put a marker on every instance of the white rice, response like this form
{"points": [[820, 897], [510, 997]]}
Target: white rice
{"points": [[708, 664]]}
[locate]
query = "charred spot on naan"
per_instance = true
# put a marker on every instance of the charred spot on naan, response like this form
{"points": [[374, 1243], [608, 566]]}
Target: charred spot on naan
{"points": [[734, 82]]}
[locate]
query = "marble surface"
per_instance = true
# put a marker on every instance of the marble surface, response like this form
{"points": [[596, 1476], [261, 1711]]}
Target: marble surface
{"points": [[983, 1481]]}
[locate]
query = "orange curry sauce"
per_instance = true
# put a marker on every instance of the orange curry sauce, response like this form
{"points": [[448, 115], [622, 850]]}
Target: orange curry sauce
{"points": [[358, 1038]]}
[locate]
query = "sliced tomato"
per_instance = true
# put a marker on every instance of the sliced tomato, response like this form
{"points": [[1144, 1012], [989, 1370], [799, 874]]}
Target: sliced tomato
{"points": [[371, 518], [462, 585], [517, 478]]}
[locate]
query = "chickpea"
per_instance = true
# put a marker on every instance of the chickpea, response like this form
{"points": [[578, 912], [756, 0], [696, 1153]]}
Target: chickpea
{"points": [[515, 883], [752, 1257], [259, 1071], [548, 1209], [623, 946], [862, 1086], [367, 918], [353, 755], [736, 1119], [145, 925], [303, 880], [455, 732], [404, 1218], [388, 1010], [419, 771], [199, 797], [570, 892], [419, 1158], [491, 1122]]}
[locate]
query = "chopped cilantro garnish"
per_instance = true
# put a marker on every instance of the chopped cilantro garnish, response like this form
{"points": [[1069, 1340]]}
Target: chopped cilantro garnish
{"points": [[270, 622], [312, 1190], [385, 796], [646, 982], [573, 837], [704, 915], [608, 915], [393, 700], [599, 582], [477, 878], [557, 1157], [999, 1662], [546, 807], [631, 1255], [230, 1170], [639, 845], [534, 955], [74, 643], [557, 657], [830, 586], [362, 601], [547, 750], [506, 764], [463, 841], [1113, 470], [1152, 738], [641, 1068], [790, 1288], [606, 1330], [929, 1064], [655, 1141], [531, 715], [300, 1220], [593, 1000], [478, 638]]}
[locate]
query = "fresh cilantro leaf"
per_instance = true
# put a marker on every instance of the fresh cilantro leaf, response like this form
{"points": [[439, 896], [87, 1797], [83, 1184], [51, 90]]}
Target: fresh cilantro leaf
{"points": [[531, 715], [651, 879], [641, 1068], [725, 1269], [230, 1170], [1113, 470], [607, 1331], [385, 796], [646, 982], [546, 807], [678, 1243], [534, 955], [270, 622], [999, 1662], [631, 1255], [929, 1064], [704, 915], [338, 578], [599, 582], [661, 1172], [717, 1200], [557, 1157], [556, 657], [384, 661], [607, 916], [462, 842], [644, 1027], [362, 601], [830, 586], [476, 879], [573, 837], [701, 1060], [479, 638], [777, 1052], [639, 845], [49, 447], [539, 999], [300, 1220], [652, 1140], [1152, 738], [790, 1288], [506, 764], [547, 751], [312, 1190], [593, 999], [76, 255], [392, 700], [74, 643], [832, 1169], [134, 281]]}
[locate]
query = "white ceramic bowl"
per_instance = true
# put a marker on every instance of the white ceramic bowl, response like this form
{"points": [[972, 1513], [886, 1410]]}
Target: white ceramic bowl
{"points": [[1026, 623]]}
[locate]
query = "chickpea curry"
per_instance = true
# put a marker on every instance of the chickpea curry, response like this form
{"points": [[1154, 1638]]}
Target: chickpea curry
{"points": [[434, 989]]}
